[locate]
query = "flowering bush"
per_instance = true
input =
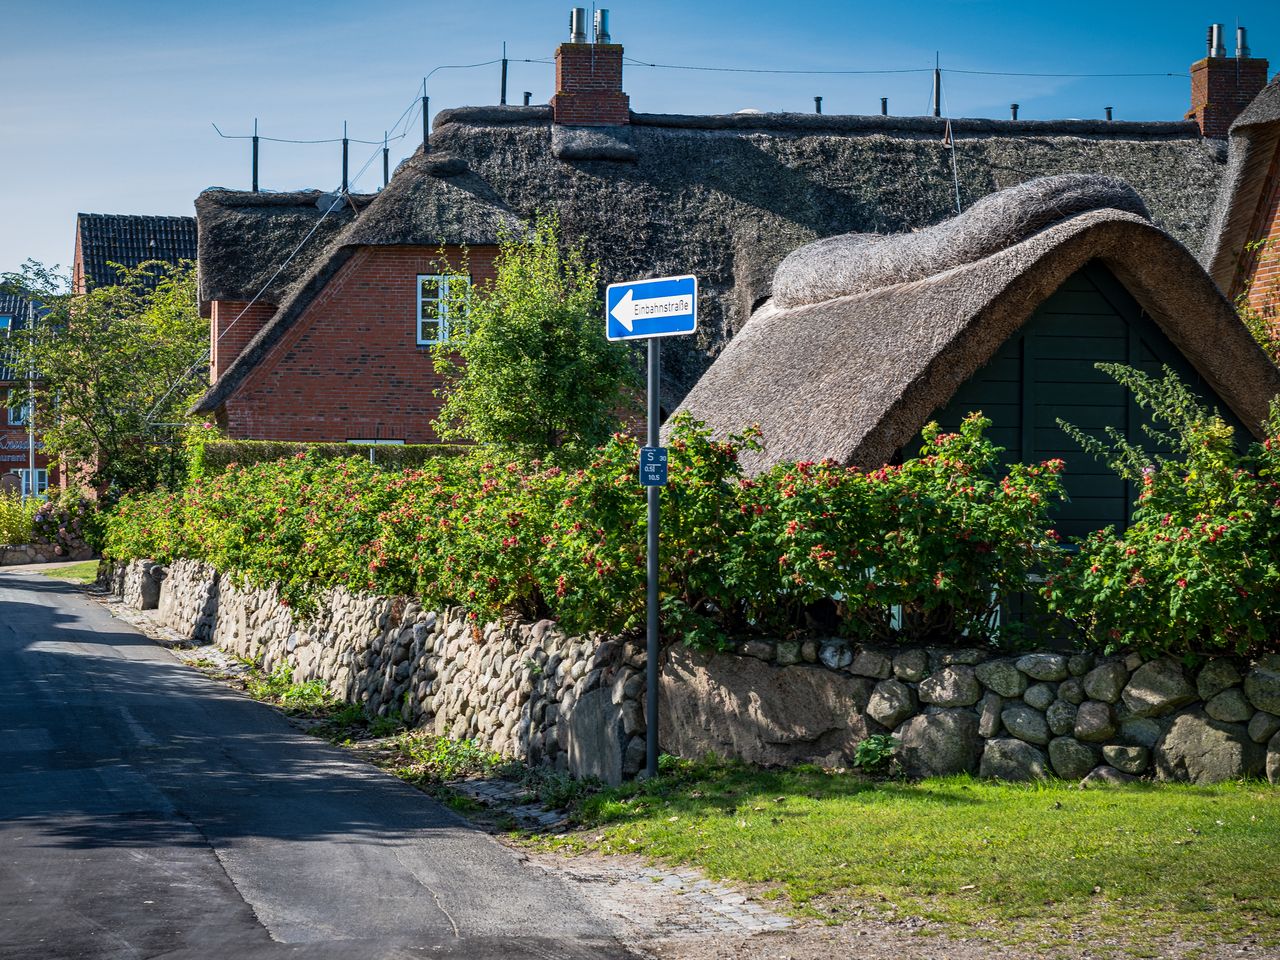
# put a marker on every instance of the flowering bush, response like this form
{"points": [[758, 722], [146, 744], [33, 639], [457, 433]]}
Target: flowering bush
{"points": [[1198, 569], [928, 549], [68, 521]]}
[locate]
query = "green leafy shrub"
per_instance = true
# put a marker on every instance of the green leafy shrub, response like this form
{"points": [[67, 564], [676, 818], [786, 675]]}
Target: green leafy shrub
{"points": [[208, 458], [17, 517], [876, 754], [68, 520], [943, 539], [1198, 569]]}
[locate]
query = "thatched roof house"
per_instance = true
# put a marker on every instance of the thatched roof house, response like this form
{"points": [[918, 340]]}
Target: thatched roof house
{"points": [[1003, 309], [722, 197]]}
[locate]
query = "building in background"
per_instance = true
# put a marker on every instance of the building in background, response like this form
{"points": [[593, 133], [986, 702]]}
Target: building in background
{"points": [[18, 431], [107, 239]]}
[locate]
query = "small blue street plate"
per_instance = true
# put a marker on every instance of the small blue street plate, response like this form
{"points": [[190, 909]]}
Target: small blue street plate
{"points": [[653, 466]]}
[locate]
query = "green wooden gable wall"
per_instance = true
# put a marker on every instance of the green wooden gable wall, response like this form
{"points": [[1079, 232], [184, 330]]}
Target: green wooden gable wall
{"points": [[1046, 372]]}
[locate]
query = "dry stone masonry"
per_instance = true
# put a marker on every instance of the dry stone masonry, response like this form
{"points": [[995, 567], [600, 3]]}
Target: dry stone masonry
{"points": [[530, 692]]}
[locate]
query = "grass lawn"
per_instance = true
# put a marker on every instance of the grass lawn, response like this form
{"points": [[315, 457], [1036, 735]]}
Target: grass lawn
{"points": [[1018, 862], [86, 572]]}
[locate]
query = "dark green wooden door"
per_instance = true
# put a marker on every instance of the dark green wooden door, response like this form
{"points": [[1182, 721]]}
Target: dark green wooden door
{"points": [[1047, 373]]}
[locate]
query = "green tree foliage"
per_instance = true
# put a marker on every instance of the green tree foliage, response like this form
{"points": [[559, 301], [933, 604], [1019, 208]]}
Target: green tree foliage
{"points": [[530, 369], [116, 364]]}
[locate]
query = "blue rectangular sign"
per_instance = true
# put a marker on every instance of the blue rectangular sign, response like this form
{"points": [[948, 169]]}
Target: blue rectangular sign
{"points": [[653, 466], [666, 307]]}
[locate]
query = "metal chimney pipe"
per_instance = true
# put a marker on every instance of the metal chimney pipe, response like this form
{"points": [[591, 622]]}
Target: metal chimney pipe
{"points": [[255, 154], [602, 26], [1108, 109], [528, 95], [1216, 49], [817, 104], [884, 106], [937, 92], [1242, 44], [578, 25], [1013, 111]]}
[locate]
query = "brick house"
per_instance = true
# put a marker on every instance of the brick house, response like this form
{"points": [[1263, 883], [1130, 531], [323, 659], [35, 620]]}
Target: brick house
{"points": [[329, 343], [15, 426]]}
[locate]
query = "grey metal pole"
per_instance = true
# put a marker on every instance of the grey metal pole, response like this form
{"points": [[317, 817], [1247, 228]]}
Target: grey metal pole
{"points": [[255, 154], [654, 493], [31, 399]]}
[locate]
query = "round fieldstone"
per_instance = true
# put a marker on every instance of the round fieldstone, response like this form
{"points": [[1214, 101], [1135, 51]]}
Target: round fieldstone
{"points": [[759, 649], [1040, 695], [1216, 676], [1106, 681], [1095, 721], [1263, 726], [788, 653], [1141, 730], [835, 654], [873, 664], [1007, 759], [1106, 776], [1127, 759], [1230, 706], [1262, 687], [1072, 691], [1061, 717], [911, 665], [1080, 664], [940, 743], [1025, 723], [892, 701], [1071, 759], [1199, 749], [1157, 688], [954, 686], [809, 651], [1043, 666], [1002, 677], [966, 656], [1273, 760], [989, 715]]}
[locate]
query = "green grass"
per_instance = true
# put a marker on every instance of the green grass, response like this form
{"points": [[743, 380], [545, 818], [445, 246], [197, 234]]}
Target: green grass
{"points": [[1019, 862], [86, 572]]}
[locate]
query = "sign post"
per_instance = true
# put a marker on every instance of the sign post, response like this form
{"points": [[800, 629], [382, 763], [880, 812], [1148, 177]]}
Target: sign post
{"points": [[650, 310]]}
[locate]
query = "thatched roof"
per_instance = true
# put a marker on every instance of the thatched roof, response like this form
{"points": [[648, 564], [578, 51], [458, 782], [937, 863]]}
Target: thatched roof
{"points": [[1254, 138], [727, 197], [432, 200], [852, 364], [244, 238]]}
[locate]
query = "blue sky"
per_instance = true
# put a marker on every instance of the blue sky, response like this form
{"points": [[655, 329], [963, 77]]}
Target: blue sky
{"points": [[107, 107]]}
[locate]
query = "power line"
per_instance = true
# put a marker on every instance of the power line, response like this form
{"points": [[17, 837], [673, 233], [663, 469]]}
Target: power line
{"points": [[842, 73]]}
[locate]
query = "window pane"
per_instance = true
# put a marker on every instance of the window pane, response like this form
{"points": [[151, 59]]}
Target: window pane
{"points": [[430, 288], [430, 309], [429, 331]]}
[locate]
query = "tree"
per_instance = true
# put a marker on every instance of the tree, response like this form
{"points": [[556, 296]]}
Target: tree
{"points": [[121, 366], [529, 369]]}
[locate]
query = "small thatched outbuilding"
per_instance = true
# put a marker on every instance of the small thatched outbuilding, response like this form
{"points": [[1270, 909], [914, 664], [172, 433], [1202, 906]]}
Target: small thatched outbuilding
{"points": [[1005, 309]]}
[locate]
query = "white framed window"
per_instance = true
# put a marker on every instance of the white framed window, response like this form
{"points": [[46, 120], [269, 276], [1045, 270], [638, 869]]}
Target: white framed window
{"points": [[435, 294], [378, 443], [19, 413], [41, 482], [6, 325]]}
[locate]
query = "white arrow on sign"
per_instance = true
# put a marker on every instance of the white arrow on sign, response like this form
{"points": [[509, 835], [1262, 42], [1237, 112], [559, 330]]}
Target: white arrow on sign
{"points": [[628, 308]]}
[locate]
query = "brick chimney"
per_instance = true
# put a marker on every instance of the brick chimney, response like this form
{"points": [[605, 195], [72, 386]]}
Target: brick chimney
{"points": [[1222, 86], [589, 76]]}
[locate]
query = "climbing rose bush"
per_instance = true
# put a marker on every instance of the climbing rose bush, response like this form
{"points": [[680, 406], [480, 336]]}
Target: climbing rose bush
{"points": [[923, 550]]}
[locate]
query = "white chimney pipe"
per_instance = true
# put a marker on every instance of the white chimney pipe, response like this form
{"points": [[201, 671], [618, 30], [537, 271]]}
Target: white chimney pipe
{"points": [[578, 25], [1242, 44], [1216, 49], [602, 26]]}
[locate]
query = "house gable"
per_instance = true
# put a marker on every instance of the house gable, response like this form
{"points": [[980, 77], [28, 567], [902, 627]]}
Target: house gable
{"points": [[350, 365], [1046, 372]]}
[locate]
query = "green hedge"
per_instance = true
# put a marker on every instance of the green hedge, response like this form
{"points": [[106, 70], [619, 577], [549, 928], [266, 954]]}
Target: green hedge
{"points": [[211, 459]]}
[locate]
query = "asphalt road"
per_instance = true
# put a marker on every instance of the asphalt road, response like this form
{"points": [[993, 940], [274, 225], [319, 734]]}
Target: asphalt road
{"points": [[146, 811]]}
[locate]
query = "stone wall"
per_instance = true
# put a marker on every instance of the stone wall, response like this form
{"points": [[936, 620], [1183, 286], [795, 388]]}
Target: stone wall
{"points": [[531, 692], [525, 690], [40, 553]]}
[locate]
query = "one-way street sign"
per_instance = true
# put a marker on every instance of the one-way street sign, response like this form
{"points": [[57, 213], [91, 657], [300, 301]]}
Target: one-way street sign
{"points": [[666, 307]]}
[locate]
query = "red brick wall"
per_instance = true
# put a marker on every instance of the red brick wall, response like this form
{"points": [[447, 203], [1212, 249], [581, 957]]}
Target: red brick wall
{"points": [[228, 335], [351, 367], [589, 85], [1260, 268], [13, 440], [1221, 87]]}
